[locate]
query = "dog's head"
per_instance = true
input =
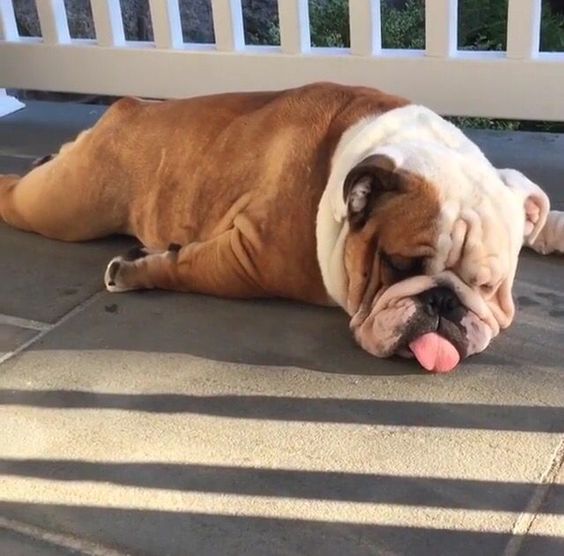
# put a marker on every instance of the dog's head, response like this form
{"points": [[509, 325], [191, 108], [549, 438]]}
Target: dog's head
{"points": [[429, 243]]}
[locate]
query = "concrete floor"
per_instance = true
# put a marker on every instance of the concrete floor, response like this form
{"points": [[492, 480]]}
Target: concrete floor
{"points": [[155, 423]]}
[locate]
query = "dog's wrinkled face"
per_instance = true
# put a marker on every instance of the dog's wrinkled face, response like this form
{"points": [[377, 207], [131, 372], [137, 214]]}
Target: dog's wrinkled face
{"points": [[430, 262]]}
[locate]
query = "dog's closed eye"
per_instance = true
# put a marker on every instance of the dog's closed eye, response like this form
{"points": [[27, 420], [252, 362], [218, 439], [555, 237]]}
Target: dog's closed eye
{"points": [[401, 266]]}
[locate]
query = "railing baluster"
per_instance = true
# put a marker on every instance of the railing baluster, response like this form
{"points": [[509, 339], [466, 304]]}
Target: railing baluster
{"points": [[366, 27], [8, 27], [295, 36], [167, 28], [441, 28], [523, 28], [108, 22], [228, 25], [53, 21]]}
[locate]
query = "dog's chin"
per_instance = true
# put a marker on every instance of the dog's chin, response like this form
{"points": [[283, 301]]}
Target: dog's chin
{"points": [[404, 328]]}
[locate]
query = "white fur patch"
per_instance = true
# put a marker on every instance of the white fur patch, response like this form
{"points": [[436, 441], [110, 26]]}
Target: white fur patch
{"points": [[478, 210]]}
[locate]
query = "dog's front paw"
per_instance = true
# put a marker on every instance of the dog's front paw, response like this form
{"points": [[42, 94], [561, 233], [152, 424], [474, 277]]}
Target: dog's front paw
{"points": [[136, 270], [114, 277]]}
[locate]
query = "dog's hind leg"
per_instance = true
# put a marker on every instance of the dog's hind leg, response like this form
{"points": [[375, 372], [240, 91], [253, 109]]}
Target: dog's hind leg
{"points": [[64, 198], [8, 210]]}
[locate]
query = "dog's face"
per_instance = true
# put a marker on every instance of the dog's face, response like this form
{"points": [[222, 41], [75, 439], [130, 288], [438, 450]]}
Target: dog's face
{"points": [[430, 255]]}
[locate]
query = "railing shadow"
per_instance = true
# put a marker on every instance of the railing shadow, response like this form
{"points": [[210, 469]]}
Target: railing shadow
{"points": [[179, 533], [289, 483], [475, 416]]}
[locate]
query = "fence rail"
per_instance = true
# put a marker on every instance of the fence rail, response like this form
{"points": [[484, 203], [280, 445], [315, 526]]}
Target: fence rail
{"points": [[519, 83]]}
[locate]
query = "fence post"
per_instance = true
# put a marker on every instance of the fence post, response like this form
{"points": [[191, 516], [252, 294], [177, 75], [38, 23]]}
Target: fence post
{"points": [[228, 25], [295, 37], [167, 29], [108, 22], [441, 28], [523, 28], [8, 27], [366, 27], [53, 21]]}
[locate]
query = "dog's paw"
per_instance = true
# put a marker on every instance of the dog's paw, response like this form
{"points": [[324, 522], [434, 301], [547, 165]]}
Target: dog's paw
{"points": [[131, 271], [114, 275]]}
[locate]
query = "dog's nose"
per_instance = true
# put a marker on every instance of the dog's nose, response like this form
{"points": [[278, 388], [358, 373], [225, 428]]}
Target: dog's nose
{"points": [[440, 301]]}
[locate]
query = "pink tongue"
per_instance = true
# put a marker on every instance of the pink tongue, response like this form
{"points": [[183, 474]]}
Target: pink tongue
{"points": [[435, 353]]}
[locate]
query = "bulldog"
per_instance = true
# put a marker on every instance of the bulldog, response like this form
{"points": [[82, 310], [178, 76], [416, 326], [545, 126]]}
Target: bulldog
{"points": [[327, 194]]}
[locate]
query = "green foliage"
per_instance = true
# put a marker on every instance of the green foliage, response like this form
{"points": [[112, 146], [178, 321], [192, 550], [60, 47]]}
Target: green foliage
{"points": [[404, 28], [329, 21], [483, 24], [485, 123], [552, 30]]}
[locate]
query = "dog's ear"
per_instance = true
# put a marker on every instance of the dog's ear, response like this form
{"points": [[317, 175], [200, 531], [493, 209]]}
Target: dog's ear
{"points": [[365, 183], [535, 202]]}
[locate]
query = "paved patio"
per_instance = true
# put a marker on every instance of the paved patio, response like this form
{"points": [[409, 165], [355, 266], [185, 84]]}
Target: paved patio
{"points": [[155, 423]]}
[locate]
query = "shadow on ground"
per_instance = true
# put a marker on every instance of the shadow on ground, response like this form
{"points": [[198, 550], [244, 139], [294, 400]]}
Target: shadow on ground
{"points": [[473, 416], [209, 534]]}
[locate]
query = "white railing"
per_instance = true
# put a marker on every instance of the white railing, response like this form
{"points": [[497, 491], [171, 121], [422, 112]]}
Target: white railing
{"points": [[520, 83]]}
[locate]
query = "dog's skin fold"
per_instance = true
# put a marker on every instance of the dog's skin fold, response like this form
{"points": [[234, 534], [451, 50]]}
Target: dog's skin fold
{"points": [[327, 194]]}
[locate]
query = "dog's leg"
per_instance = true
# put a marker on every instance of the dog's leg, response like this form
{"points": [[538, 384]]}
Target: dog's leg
{"points": [[8, 212], [551, 237], [220, 266], [62, 198]]}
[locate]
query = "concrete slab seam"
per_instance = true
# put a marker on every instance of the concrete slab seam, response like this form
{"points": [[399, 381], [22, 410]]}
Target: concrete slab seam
{"points": [[17, 155], [525, 520], [24, 323], [74, 311], [87, 548]]}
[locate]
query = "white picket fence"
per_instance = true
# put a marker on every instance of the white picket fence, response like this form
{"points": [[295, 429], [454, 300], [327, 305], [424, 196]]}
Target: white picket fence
{"points": [[519, 83]]}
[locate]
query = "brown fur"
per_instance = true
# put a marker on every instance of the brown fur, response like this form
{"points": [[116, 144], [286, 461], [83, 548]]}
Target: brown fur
{"points": [[234, 179], [415, 203]]}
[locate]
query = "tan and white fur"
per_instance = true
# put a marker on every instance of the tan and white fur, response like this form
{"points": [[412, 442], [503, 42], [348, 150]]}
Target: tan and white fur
{"points": [[326, 194]]}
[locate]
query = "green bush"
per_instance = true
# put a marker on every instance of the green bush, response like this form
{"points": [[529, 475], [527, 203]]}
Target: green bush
{"points": [[329, 20], [329, 23], [404, 28], [482, 26], [552, 30]]}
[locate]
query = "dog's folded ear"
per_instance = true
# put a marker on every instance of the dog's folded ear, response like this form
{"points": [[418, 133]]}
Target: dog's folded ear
{"points": [[536, 204], [365, 183]]}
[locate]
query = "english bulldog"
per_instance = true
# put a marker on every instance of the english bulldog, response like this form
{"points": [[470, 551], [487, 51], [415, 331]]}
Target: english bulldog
{"points": [[327, 194]]}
